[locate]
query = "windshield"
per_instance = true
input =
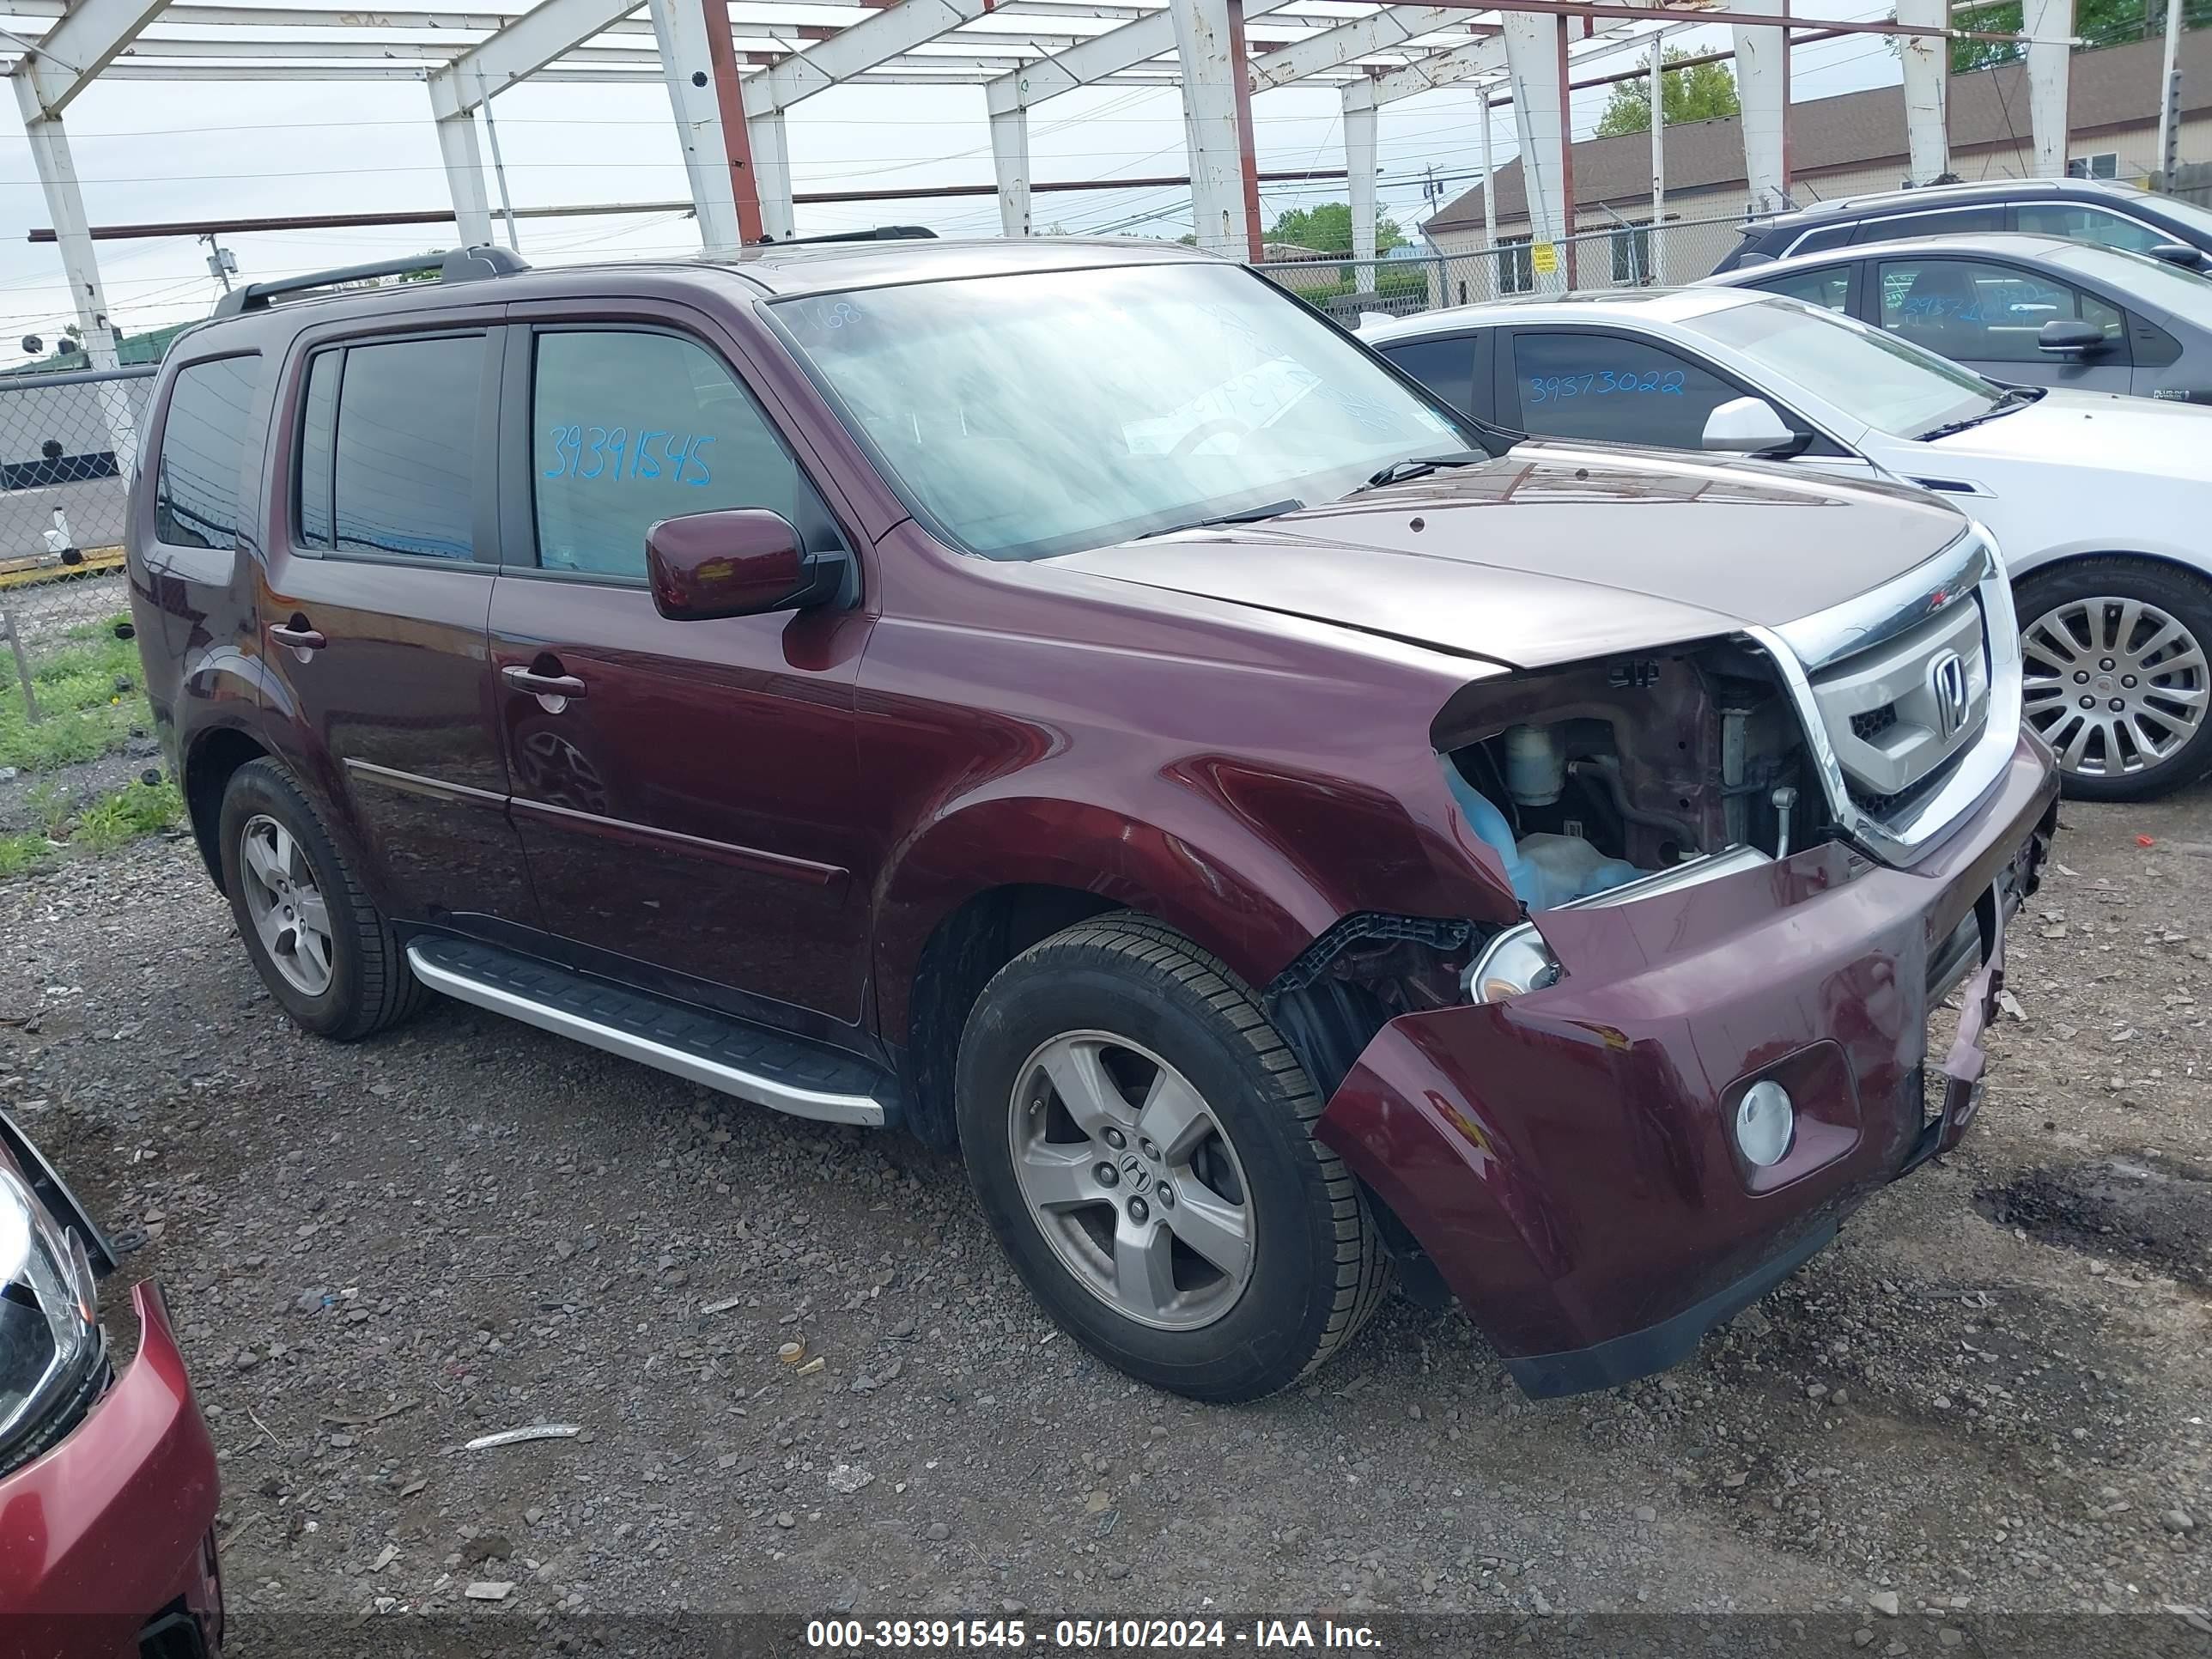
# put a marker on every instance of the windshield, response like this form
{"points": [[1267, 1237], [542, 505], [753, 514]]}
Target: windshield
{"points": [[1892, 385], [2184, 293], [2183, 212], [1041, 413]]}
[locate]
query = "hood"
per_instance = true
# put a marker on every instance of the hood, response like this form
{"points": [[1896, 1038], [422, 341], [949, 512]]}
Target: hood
{"points": [[1558, 554], [2096, 431]]}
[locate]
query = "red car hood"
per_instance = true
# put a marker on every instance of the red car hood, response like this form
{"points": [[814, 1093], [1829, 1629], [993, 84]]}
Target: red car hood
{"points": [[1558, 554]]}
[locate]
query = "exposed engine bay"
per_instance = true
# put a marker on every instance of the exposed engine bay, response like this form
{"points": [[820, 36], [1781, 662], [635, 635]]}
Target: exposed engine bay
{"points": [[1588, 778]]}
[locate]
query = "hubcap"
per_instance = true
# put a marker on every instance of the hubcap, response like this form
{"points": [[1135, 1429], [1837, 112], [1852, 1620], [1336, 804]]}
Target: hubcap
{"points": [[1132, 1180], [2114, 685], [285, 903]]}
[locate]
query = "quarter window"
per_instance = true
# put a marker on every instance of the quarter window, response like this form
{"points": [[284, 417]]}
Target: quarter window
{"points": [[1609, 387], [196, 494], [1446, 367], [1972, 312], [629, 428], [404, 478]]}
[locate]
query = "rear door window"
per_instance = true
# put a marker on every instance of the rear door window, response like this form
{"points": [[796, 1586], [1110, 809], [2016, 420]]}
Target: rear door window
{"points": [[1943, 221], [1613, 388], [2091, 224], [196, 492], [404, 465], [1445, 366], [630, 427]]}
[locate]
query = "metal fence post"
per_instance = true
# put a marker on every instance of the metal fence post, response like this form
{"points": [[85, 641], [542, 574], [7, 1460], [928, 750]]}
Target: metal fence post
{"points": [[22, 664]]}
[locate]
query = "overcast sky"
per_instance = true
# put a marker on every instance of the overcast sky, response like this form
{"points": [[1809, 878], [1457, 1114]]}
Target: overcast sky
{"points": [[150, 150]]}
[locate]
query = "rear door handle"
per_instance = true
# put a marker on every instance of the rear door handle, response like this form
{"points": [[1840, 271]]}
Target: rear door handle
{"points": [[299, 638], [543, 685]]}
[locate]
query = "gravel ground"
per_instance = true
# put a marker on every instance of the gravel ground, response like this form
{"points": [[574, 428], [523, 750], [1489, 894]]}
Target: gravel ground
{"points": [[1990, 1398]]}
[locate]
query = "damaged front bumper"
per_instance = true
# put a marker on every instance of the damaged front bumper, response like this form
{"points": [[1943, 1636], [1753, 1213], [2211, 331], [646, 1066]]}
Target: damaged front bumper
{"points": [[1565, 1158]]}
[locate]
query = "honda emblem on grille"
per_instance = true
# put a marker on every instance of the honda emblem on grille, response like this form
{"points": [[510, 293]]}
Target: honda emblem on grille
{"points": [[1946, 684]]}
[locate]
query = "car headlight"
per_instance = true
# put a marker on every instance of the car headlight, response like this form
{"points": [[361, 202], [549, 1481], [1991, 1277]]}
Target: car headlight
{"points": [[1516, 962], [50, 1345]]}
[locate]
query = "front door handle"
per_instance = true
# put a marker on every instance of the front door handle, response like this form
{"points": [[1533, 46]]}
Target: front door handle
{"points": [[298, 638], [541, 685]]}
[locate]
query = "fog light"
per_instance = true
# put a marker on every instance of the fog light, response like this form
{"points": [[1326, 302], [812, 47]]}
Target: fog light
{"points": [[1765, 1123]]}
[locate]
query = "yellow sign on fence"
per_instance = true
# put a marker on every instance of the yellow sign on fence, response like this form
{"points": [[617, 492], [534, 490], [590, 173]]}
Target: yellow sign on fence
{"points": [[1544, 258]]}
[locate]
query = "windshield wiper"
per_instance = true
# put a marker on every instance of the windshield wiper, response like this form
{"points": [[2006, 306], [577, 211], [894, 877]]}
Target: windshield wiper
{"points": [[1241, 515], [1421, 466], [2018, 397]]}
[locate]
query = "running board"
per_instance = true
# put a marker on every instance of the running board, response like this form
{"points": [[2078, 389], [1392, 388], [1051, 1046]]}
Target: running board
{"points": [[767, 1068]]}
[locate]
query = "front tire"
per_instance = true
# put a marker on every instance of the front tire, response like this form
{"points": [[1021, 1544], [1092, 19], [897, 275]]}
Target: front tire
{"points": [[2115, 674], [1140, 1140], [328, 957]]}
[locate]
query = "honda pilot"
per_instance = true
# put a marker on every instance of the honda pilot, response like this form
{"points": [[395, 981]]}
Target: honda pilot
{"points": [[1071, 701]]}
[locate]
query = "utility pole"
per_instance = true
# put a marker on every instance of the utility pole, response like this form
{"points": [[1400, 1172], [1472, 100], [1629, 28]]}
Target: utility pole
{"points": [[221, 263], [2169, 99]]}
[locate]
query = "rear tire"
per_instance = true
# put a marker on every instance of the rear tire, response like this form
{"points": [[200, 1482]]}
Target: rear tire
{"points": [[2132, 639], [328, 957], [1229, 1253]]}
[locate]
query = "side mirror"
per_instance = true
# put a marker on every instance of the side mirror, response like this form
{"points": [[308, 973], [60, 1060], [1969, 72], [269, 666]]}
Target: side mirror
{"points": [[1748, 426], [2063, 337], [2179, 253], [736, 562]]}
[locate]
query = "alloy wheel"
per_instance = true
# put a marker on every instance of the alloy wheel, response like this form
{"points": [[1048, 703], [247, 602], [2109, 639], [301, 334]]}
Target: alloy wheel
{"points": [[1131, 1178], [286, 904], [2115, 686]]}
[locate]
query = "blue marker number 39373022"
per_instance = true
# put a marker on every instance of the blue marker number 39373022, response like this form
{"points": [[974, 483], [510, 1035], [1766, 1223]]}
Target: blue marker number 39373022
{"points": [[1603, 382], [612, 453]]}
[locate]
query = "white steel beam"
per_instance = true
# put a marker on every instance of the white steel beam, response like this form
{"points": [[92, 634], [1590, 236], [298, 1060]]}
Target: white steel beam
{"points": [[50, 154], [1333, 48], [1657, 241], [1927, 86], [1762, 85], [771, 145], [1533, 47], [76, 49], [1211, 131], [2049, 24], [521, 49], [1099, 59], [853, 51], [1361, 120], [1485, 59], [679, 27], [1010, 165], [464, 178]]}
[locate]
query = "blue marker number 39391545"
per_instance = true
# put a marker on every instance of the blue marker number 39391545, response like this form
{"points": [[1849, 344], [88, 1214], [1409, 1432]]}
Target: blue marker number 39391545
{"points": [[612, 453]]}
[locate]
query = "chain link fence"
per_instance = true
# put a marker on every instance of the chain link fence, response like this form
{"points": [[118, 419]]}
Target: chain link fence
{"points": [[1626, 255], [68, 443]]}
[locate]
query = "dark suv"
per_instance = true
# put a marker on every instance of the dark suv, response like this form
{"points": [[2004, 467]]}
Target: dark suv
{"points": [[1071, 701], [2081, 209]]}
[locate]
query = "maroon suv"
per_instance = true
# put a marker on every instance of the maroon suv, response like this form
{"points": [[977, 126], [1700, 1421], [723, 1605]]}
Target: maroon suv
{"points": [[1071, 701]]}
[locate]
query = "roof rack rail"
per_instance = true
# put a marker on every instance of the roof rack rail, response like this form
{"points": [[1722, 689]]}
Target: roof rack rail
{"points": [[881, 233], [460, 264]]}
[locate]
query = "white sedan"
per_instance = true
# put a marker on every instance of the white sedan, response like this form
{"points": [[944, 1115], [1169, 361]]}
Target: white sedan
{"points": [[2101, 504]]}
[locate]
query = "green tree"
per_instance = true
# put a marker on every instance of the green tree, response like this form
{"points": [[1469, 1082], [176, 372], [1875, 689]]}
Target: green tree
{"points": [[1697, 93], [2099, 22], [1327, 228]]}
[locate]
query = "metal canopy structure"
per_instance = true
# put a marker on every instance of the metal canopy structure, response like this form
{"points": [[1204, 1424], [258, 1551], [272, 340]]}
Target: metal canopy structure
{"points": [[734, 69]]}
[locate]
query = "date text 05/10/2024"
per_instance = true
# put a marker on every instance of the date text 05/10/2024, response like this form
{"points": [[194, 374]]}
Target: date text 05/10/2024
{"points": [[1083, 1635]]}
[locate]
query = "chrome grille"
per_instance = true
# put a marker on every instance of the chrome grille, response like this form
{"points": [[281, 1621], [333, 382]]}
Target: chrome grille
{"points": [[1909, 695], [1899, 712]]}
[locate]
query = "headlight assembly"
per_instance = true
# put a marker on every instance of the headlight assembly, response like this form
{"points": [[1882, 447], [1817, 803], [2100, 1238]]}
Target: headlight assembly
{"points": [[50, 1347], [1516, 962]]}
